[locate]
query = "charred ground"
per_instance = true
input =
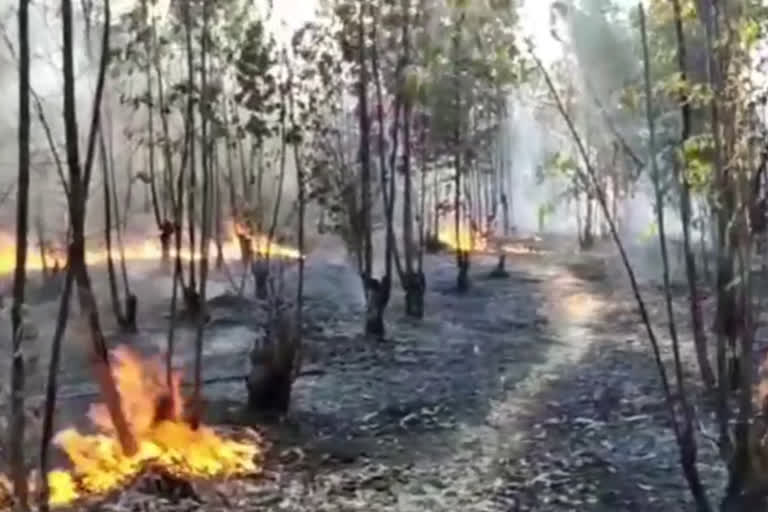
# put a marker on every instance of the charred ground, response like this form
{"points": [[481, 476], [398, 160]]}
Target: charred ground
{"points": [[534, 392]]}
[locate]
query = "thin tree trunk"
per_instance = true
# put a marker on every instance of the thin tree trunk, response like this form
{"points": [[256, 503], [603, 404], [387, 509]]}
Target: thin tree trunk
{"points": [[120, 223], [699, 336], [219, 210], [205, 228], [159, 216], [686, 436], [79, 181], [725, 295], [41, 241], [462, 253], [52, 386], [387, 175], [374, 324], [414, 281], [16, 437], [423, 225], [111, 274], [191, 295], [301, 184]]}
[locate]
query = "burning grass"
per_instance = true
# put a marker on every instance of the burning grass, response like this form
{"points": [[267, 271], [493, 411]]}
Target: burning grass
{"points": [[166, 443], [469, 240], [148, 250]]}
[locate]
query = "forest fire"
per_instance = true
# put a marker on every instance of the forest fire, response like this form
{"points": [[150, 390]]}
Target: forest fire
{"points": [[148, 250], [468, 240], [166, 443], [521, 248]]}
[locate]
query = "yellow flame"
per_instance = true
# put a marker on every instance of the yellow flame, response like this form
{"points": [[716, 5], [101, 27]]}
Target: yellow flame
{"points": [[148, 250], [468, 240], [169, 444]]}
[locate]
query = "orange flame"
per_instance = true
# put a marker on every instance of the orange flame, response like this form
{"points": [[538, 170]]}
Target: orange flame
{"points": [[469, 240], [148, 250], [165, 441]]}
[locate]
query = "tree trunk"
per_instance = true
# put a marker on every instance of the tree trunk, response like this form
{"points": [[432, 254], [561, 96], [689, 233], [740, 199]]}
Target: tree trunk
{"points": [[414, 280], [219, 212], [160, 217], [78, 183], [699, 336], [16, 437], [376, 299], [500, 271], [191, 295], [388, 176], [587, 238], [111, 274], [52, 386], [462, 253], [207, 216], [374, 324]]}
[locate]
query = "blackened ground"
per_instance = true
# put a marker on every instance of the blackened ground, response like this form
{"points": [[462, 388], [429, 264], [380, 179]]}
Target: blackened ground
{"points": [[535, 392]]}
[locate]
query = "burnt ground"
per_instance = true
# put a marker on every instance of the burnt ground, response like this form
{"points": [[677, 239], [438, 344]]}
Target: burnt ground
{"points": [[537, 392]]}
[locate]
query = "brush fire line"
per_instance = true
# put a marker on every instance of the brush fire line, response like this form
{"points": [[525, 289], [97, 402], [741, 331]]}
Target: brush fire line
{"points": [[149, 251]]}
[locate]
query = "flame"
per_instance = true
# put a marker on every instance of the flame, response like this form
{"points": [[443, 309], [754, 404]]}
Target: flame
{"points": [[522, 249], [165, 441], [469, 239], [148, 250]]}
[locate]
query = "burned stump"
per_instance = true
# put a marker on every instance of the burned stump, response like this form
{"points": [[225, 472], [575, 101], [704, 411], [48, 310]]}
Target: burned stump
{"points": [[167, 230], [376, 300], [500, 271], [462, 278], [433, 245], [260, 272], [128, 322], [275, 363], [415, 286]]}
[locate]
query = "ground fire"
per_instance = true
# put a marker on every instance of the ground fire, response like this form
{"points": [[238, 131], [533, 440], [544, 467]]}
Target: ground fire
{"points": [[167, 443], [148, 250], [468, 239]]}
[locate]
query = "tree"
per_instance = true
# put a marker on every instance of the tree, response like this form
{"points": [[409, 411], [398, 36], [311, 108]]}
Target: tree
{"points": [[79, 179], [16, 434]]}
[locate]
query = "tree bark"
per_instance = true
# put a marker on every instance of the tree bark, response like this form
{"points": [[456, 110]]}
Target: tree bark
{"points": [[197, 411], [191, 295], [159, 216], [111, 274], [374, 324], [52, 386], [699, 336], [16, 437], [414, 280], [78, 181], [462, 253], [686, 436]]}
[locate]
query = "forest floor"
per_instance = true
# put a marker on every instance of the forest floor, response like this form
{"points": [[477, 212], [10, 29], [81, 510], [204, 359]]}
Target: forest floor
{"points": [[532, 393]]}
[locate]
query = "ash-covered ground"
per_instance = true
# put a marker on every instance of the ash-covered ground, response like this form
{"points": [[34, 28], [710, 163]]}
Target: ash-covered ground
{"points": [[536, 392]]}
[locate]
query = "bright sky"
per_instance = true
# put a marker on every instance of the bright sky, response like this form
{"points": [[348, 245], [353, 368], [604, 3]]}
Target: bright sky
{"points": [[535, 22], [291, 14]]}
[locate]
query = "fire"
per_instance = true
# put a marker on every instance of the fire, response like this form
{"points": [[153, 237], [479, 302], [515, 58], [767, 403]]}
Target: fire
{"points": [[148, 250], [469, 240], [166, 442], [522, 249], [260, 243]]}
